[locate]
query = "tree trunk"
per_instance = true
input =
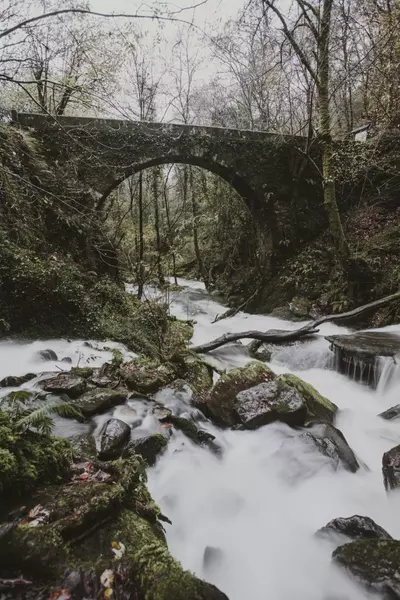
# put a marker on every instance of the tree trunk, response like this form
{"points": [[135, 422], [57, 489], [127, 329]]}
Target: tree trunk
{"points": [[141, 240], [160, 275], [195, 214], [325, 132]]}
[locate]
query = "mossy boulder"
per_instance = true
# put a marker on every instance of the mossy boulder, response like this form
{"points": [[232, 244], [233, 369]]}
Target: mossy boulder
{"points": [[83, 445], [218, 404], [189, 429], [85, 372], [91, 529], [318, 407], [65, 383], [198, 375], [13, 381], [354, 528], [99, 400], [375, 563], [149, 448], [268, 402], [147, 376]]}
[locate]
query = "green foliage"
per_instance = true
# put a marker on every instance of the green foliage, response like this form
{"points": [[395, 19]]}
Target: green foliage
{"points": [[28, 457]]}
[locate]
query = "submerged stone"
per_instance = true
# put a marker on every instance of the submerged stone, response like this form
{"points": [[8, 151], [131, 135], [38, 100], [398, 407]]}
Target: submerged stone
{"points": [[99, 400], [355, 527], [65, 383], [391, 468], [197, 436], [391, 413], [330, 442], [114, 436], [375, 563], [269, 402], [47, 354], [13, 381], [149, 448], [218, 404]]}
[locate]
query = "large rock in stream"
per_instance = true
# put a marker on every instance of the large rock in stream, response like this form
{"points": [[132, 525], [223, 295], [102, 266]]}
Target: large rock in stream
{"points": [[253, 396], [391, 468], [113, 438], [354, 528], [65, 383], [99, 400], [97, 536], [330, 442], [268, 402], [374, 563], [357, 354]]}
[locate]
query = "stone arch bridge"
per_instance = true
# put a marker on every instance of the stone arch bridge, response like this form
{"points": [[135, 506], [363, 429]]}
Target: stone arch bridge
{"points": [[269, 171]]}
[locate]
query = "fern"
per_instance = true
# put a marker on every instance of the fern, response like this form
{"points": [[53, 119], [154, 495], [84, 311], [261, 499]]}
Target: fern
{"points": [[40, 418], [37, 417]]}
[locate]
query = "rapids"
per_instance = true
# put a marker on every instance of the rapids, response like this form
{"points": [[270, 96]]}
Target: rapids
{"points": [[255, 511]]}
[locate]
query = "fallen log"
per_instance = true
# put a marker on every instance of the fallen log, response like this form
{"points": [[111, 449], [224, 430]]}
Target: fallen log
{"points": [[274, 336]]}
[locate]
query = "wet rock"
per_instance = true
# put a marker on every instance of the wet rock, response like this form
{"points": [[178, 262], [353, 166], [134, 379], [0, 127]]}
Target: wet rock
{"points": [[65, 383], [84, 372], [99, 400], [218, 404], [331, 442], [355, 527], [357, 354], [318, 407], [212, 559], [13, 381], [391, 413], [102, 381], [161, 412], [282, 312], [114, 437], [188, 428], [67, 359], [83, 445], [391, 468], [375, 563], [145, 376], [198, 375], [47, 354], [268, 402], [149, 448]]}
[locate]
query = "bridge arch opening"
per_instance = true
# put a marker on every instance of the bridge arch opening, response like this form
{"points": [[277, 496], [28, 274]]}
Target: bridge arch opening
{"points": [[249, 195], [183, 218]]}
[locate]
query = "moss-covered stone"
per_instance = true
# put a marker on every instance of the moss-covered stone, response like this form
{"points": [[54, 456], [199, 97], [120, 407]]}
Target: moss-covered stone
{"points": [[147, 376], [65, 383], [85, 372], [13, 381], [99, 400], [318, 407], [376, 563], [218, 404], [198, 375]]}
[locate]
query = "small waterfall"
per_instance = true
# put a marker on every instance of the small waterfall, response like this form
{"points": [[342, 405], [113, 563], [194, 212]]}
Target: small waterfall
{"points": [[389, 373], [358, 367]]}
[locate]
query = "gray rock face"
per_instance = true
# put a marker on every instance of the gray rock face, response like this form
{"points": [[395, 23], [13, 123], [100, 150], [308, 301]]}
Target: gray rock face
{"points": [[65, 383], [47, 354], [391, 413], [391, 468], [331, 442], [357, 354], [99, 400], [148, 447], [375, 563], [355, 528], [114, 436], [12, 381], [269, 402]]}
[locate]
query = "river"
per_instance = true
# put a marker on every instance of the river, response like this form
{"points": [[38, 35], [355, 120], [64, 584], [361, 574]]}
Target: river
{"points": [[255, 510]]}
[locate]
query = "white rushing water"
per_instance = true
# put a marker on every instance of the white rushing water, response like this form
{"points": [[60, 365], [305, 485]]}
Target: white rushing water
{"points": [[257, 508]]}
